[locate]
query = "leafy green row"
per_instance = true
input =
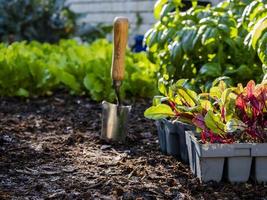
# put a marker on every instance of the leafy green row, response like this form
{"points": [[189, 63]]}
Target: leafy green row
{"points": [[39, 68], [204, 43]]}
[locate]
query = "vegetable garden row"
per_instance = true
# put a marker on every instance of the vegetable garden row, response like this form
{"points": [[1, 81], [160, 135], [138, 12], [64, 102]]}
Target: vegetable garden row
{"points": [[28, 69]]}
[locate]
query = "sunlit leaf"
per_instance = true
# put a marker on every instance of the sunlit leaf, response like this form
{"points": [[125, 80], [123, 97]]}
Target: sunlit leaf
{"points": [[162, 86], [157, 100], [206, 104], [188, 97], [159, 112], [213, 122], [158, 7], [258, 30]]}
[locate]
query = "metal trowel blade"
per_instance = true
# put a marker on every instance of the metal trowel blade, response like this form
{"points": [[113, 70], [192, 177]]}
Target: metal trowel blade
{"points": [[114, 121]]}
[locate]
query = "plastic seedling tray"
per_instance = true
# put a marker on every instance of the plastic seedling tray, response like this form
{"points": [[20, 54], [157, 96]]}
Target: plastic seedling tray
{"points": [[259, 152], [191, 151], [168, 139], [161, 135], [181, 128], [207, 160], [239, 162], [172, 139]]}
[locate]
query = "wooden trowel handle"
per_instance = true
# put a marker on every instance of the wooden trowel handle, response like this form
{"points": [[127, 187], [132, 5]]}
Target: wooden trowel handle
{"points": [[120, 43]]}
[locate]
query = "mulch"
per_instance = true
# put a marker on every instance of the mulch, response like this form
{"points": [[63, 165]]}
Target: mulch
{"points": [[50, 149]]}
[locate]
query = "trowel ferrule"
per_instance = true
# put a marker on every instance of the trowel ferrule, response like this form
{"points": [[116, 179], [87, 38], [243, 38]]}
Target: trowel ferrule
{"points": [[117, 85]]}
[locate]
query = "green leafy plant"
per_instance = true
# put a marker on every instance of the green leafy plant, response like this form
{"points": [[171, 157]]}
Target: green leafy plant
{"points": [[254, 19], [251, 112], [224, 114], [34, 68], [45, 21], [177, 102], [203, 43]]}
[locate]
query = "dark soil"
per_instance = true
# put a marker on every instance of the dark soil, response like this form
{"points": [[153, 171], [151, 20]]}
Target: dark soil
{"points": [[50, 149]]}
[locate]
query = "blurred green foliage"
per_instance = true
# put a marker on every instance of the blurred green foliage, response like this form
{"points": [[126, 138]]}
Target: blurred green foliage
{"points": [[45, 21], [254, 19], [41, 20], [34, 68], [204, 43]]}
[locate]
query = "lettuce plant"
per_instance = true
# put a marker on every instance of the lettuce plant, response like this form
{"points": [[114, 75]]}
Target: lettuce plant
{"points": [[33, 68]]}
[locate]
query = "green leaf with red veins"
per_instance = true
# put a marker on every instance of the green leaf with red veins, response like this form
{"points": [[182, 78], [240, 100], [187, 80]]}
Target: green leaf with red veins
{"points": [[188, 97], [177, 100], [215, 92], [173, 88], [239, 89], [222, 85], [214, 123], [206, 105], [227, 103], [227, 95]]}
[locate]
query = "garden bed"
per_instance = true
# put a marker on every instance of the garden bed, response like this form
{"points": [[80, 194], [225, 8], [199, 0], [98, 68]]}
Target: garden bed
{"points": [[50, 148]]}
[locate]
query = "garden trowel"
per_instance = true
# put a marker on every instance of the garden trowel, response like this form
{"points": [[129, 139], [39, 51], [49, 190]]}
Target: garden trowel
{"points": [[115, 116]]}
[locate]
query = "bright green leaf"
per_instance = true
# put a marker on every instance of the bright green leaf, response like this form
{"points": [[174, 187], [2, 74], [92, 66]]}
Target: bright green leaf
{"points": [[70, 81], [158, 7], [258, 30], [159, 112], [213, 122], [188, 97]]}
